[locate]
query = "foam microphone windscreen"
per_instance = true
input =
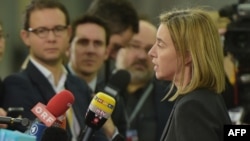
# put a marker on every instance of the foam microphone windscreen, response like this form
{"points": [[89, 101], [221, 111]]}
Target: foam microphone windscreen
{"points": [[118, 82], [60, 103], [54, 134], [120, 79]]}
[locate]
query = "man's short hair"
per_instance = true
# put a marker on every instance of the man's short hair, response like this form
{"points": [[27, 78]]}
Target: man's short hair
{"points": [[119, 14], [43, 4]]}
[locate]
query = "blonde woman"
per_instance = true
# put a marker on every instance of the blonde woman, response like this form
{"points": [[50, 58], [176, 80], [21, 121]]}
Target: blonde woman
{"points": [[188, 52]]}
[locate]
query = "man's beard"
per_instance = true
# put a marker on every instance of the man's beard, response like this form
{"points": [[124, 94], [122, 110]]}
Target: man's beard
{"points": [[140, 76]]}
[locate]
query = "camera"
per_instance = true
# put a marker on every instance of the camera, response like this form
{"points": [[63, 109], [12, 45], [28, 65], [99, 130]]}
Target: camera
{"points": [[237, 42]]}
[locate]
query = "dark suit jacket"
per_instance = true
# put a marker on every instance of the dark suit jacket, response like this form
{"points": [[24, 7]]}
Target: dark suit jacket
{"points": [[27, 88], [197, 116], [162, 108], [152, 116]]}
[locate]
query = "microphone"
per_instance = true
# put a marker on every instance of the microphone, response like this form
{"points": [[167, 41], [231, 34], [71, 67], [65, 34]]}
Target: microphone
{"points": [[54, 134], [117, 83], [58, 105], [10, 120], [116, 86], [46, 115], [100, 109]]}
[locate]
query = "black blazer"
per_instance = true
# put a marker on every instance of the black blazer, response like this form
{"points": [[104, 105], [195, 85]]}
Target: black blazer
{"points": [[197, 116], [27, 88], [151, 118], [163, 107]]}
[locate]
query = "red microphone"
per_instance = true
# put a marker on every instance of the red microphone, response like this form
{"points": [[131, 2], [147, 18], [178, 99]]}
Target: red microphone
{"points": [[56, 107], [50, 115], [61, 101]]}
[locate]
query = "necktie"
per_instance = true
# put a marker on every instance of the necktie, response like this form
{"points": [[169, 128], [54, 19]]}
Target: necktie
{"points": [[71, 123], [70, 116]]}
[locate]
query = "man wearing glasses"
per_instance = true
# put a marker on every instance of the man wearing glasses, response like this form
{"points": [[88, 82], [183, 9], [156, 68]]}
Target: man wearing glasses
{"points": [[2, 42], [2, 48], [46, 33]]}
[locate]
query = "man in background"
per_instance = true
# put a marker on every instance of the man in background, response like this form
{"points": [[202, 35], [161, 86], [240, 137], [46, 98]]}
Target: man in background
{"points": [[122, 20], [87, 54], [2, 48], [46, 32], [146, 114], [2, 41]]}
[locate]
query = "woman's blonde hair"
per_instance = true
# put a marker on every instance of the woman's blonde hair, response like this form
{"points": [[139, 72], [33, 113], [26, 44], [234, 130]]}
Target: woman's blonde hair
{"points": [[193, 32]]}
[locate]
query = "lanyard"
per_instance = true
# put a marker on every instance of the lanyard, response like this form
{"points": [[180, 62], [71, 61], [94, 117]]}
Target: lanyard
{"points": [[140, 103]]}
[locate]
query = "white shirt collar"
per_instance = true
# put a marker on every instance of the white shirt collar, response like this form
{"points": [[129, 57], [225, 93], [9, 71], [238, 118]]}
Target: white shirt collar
{"points": [[50, 77], [92, 84]]}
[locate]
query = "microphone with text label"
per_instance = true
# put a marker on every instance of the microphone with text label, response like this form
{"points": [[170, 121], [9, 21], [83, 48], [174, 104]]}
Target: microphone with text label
{"points": [[100, 109], [116, 87], [52, 114], [117, 83]]}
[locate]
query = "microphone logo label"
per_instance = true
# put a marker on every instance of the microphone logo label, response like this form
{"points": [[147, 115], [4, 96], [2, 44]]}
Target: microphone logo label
{"points": [[37, 130], [33, 129], [43, 114], [100, 113]]}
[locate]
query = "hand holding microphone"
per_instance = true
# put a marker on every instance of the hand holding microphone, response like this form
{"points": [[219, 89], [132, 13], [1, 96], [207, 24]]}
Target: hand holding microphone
{"points": [[100, 109], [116, 85], [3, 113]]}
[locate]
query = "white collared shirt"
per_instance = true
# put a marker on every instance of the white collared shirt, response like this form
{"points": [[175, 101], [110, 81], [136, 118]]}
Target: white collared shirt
{"points": [[92, 84], [75, 129], [60, 86]]}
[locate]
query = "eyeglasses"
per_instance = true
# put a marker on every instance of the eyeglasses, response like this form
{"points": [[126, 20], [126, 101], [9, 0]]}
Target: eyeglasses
{"points": [[137, 48], [43, 32]]}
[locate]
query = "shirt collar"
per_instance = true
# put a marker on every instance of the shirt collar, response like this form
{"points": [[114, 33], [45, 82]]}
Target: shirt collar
{"points": [[92, 84], [48, 75]]}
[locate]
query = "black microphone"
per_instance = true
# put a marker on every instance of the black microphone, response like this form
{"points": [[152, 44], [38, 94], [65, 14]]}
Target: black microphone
{"points": [[10, 121], [100, 109], [117, 83], [116, 86], [53, 133]]}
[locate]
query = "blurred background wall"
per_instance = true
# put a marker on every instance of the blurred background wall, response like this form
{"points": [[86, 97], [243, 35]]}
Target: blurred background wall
{"points": [[11, 16]]}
